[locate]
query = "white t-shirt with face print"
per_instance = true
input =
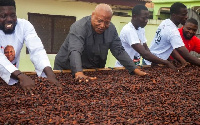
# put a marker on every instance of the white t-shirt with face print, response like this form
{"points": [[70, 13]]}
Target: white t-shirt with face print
{"points": [[167, 39], [129, 36], [24, 33]]}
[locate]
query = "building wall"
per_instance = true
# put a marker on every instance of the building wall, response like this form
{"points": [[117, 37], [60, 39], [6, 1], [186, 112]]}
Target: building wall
{"points": [[78, 9], [167, 3], [52, 7]]}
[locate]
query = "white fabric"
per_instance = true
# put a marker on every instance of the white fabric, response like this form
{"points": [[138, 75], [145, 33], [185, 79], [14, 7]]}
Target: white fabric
{"points": [[166, 39], [129, 36], [24, 33]]}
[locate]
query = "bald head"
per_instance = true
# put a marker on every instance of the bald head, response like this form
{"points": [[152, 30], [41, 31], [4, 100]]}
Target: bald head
{"points": [[101, 18], [103, 8]]}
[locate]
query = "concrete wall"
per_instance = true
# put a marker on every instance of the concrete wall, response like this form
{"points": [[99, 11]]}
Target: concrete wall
{"points": [[78, 9], [167, 3], [52, 7]]}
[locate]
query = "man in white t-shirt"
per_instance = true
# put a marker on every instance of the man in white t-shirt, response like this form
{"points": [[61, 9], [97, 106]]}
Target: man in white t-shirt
{"points": [[133, 38], [168, 38], [16, 32]]}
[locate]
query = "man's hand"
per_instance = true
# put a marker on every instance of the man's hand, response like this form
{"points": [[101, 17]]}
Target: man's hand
{"points": [[170, 65], [26, 83], [139, 72], [81, 77], [52, 79], [183, 65], [51, 76]]}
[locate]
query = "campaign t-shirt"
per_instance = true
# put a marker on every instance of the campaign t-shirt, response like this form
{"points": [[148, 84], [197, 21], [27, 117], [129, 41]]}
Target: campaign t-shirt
{"points": [[167, 38], [24, 33]]}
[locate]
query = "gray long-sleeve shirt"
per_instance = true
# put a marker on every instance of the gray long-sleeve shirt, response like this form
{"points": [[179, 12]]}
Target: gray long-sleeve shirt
{"points": [[83, 48]]}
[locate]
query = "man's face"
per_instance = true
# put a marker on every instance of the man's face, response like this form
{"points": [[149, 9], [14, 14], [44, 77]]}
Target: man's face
{"points": [[100, 21], [181, 17], [8, 19], [9, 53], [142, 19], [189, 30]]}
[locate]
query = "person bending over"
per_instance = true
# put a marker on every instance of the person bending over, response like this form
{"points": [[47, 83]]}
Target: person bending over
{"points": [[88, 42], [191, 42], [15, 31], [168, 39], [134, 41]]}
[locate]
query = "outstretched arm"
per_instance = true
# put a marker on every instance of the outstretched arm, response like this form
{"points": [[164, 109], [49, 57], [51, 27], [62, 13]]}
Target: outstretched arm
{"points": [[177, 56], [146, 47], [187, 56], [122, 56], [76, 67], [36, 49], [149, 56]]}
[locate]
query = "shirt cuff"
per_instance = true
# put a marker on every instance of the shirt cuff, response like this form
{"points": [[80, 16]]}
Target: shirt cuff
{"points": [[5, 75]]}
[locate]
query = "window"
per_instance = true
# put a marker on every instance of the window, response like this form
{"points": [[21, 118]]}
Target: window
{"points": [[52, 29]]}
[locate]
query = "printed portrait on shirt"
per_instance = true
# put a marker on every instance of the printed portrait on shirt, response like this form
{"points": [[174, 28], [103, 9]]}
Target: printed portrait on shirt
{"points": [[9, 52]]}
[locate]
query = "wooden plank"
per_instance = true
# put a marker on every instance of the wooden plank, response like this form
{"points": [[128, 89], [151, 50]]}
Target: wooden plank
{"points": [[85, 70]]}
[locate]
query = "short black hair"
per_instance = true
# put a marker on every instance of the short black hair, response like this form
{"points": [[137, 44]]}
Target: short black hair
{"points": [[7, 3], [137, 9], [175, 8], [192, 20]]}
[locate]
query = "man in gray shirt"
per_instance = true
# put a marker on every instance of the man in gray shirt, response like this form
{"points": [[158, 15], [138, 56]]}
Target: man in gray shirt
{"points": [[88, 42]]}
